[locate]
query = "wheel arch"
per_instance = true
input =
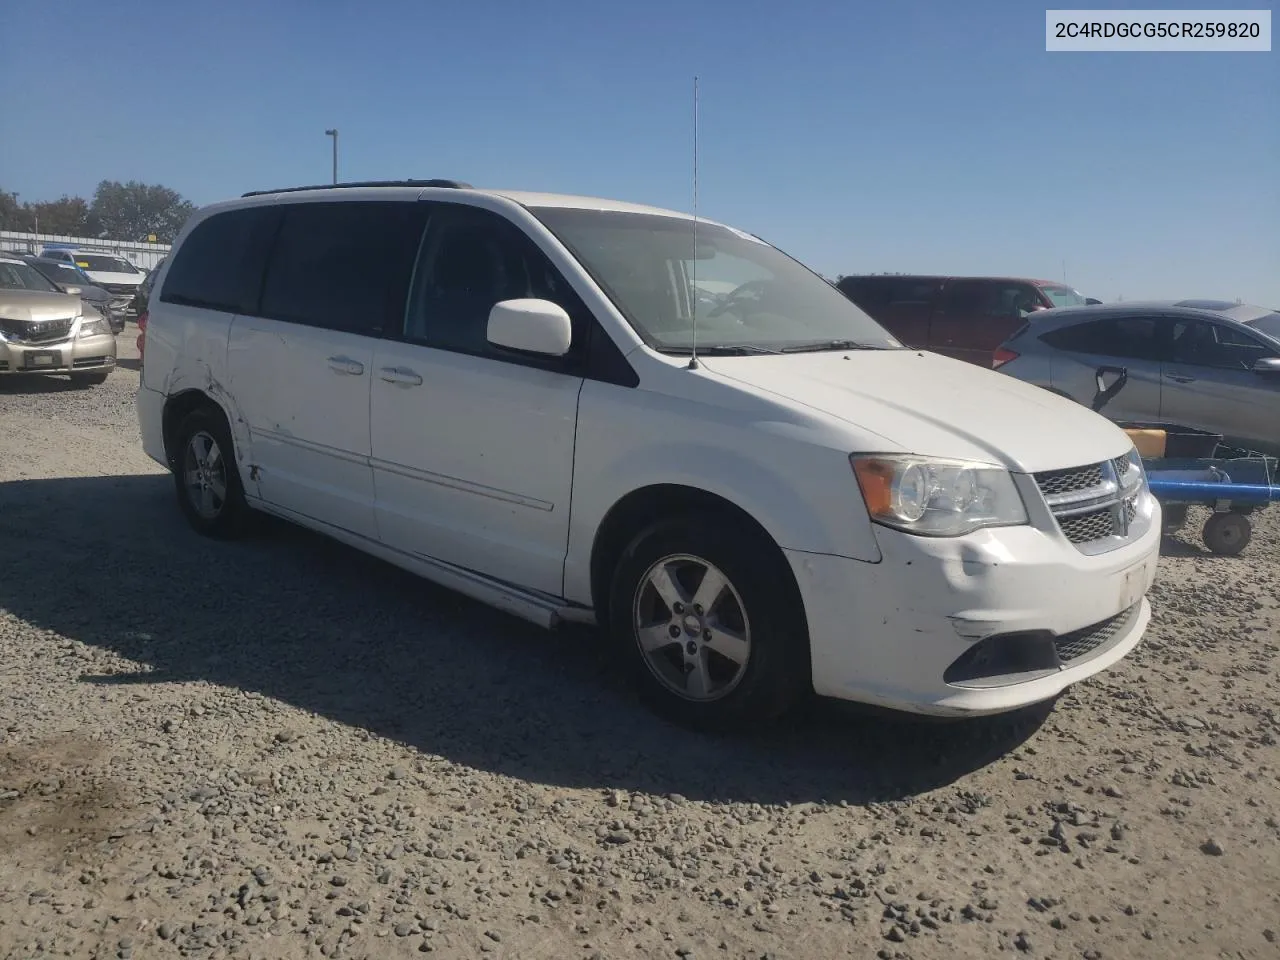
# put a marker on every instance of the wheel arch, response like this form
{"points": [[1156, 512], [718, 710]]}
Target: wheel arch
{"points": [[176, 408], [655, 502]]}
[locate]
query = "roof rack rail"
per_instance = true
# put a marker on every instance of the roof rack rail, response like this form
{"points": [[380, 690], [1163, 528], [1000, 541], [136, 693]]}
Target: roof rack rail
{"points": [[437, 182]]}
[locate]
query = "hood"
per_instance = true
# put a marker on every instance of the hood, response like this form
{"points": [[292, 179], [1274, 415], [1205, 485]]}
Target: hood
{"points": [[37, 305], [125, 279], [931, 405]]}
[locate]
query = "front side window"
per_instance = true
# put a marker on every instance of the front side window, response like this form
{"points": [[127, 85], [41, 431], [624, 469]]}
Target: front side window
{"points": [[1203, 343], [470, 260], [1062, 296], [740, 293], [341, 265], [972, 299]]}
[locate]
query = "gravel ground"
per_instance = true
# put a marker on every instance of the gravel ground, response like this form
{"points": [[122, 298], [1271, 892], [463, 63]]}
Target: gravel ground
{"points": [[279, 748]]}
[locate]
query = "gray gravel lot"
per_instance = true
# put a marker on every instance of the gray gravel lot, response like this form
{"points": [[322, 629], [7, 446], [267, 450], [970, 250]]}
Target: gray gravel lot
{"points": [[279, 748]]}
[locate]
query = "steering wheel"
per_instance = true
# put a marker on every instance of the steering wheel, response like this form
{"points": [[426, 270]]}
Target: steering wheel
{"points": [[751, 290]]}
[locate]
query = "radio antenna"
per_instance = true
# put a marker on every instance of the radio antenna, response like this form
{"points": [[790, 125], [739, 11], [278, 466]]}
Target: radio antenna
{"points": [[693, 291]]}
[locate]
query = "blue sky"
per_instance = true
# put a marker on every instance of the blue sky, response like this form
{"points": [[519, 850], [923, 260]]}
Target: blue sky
{"points": [[859, 137]]}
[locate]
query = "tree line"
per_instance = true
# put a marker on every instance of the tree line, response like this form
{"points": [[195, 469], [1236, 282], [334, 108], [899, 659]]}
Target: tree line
{"points": [[119, 211]]}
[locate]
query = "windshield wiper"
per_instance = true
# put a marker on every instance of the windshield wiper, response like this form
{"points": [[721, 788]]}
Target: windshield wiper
{"points": [[723, 350], [830, 345]]}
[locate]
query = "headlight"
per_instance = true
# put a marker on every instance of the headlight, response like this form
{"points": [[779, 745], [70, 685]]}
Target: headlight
{"points": [[93, 326], [937, 498], [1135, 478]]}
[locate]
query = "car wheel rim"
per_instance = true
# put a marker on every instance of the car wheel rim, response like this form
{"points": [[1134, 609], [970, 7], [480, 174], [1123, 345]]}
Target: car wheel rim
{"points": [[692, 628], [205, 475]]}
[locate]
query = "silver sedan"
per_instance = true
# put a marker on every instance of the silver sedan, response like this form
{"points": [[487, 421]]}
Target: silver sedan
{"points": [[1207, 364]]}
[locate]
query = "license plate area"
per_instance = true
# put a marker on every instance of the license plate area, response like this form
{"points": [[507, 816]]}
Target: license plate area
{"points": [[1131, 585], [42, 360]]}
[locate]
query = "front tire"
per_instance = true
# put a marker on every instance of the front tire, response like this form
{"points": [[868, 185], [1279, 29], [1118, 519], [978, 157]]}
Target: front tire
{"points": [[707, 621], [206, 476]]}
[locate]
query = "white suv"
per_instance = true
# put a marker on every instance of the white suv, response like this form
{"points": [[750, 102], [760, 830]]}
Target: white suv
{"points": [[508, 394]]}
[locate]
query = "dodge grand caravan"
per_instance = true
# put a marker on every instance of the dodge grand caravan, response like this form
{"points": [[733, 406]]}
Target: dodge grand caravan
{"points": [[586, 410]]}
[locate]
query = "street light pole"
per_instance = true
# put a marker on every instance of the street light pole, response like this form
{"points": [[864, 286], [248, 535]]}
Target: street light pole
{"points": [[334, 133]]}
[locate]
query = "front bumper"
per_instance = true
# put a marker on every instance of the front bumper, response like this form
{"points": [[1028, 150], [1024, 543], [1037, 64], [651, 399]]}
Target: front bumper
{"points": [[77, 355], [994, 621]]}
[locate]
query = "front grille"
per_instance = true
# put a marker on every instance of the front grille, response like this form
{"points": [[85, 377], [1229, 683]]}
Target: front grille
{"points": [[1069, 481], [1072, 646], [1088, 527], [37, 331], [1090, 504], [128, 288]]}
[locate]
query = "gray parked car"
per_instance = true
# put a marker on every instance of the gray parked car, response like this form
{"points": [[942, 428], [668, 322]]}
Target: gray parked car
{"points": [[1207, 364]]}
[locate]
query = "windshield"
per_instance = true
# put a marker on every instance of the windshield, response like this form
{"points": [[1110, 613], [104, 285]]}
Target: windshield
{"points": [[1063, 296], [745, 295], [103, 264], [1268, 324], [62, 273], [20, 276]]}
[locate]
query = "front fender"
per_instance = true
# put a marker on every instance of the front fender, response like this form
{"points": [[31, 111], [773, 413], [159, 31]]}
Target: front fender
{"points": [[801, 491]]}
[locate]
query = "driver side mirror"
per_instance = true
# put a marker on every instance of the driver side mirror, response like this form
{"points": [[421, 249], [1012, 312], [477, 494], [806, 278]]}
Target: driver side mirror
{"points": [[530, 326], [74, 291], [1267, 365]]}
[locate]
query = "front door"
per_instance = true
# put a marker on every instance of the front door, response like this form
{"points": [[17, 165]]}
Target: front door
{"points": [[1210, 384], [472, 445], [300, 366]]}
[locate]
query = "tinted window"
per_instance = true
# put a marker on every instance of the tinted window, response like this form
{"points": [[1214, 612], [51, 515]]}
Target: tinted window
{"points": [[1206, 344], [342, 265], [219, 265], [989, 298], [904, 290], [1131, 337], [867, 292], [470, 260]]}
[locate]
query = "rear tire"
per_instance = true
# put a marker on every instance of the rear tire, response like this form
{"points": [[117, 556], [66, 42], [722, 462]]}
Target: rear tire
{"points": [[206, 476], [726, 654]]}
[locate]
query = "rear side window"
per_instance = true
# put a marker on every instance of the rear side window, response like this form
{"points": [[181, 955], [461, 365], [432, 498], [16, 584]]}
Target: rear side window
{"points": [[342, 265], [1134, 338], [219, 265]]}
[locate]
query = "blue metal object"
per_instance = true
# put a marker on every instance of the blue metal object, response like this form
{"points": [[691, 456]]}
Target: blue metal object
{"points": [[1210, 492]]}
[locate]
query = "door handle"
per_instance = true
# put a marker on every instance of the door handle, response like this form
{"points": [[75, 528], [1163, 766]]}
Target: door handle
{"points": [[346, 365], [400, 375], [1181, 379]]}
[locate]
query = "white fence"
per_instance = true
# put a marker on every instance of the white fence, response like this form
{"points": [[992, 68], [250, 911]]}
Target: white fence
{"points": [[142, 255]]}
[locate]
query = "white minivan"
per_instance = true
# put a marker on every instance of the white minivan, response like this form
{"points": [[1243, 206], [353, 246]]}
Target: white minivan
{"points": [[586, 410]]}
